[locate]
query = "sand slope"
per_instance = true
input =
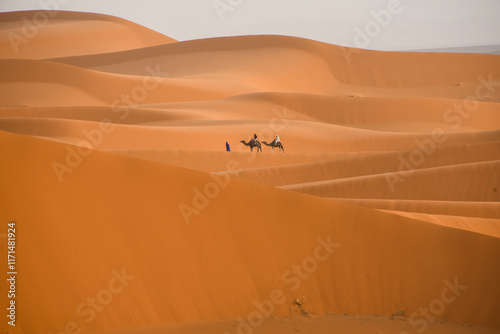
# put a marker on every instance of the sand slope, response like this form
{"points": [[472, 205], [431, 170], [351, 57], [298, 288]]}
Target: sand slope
{"points": [[124, 195], [48, 34], [229, 255]]}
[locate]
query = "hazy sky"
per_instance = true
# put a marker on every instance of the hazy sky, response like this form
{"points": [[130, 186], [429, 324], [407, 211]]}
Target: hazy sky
{"points": [[371, 24]]}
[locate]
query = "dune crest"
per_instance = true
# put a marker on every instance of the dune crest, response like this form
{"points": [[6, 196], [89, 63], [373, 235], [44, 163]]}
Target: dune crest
{"points": [[51, 33]]}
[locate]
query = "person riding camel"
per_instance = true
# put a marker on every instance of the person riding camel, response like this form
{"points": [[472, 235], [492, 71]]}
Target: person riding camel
{"points": [[253, 139], [277, 140]]}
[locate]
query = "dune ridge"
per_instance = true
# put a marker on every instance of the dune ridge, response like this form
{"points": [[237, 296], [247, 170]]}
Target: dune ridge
{"points": [[48, 34]]}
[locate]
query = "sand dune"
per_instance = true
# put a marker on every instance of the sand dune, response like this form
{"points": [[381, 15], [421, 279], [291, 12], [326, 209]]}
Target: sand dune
{"points": [[49, 34], [466, 182], [489, 226], [385, 202], [187, 258], [321, 325], [465, 208]]}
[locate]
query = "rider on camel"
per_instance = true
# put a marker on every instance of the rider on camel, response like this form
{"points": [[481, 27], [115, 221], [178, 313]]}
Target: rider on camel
{"points": [[253, 139]]}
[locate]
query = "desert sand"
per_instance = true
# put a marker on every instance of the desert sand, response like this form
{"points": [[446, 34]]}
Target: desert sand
{"points": [[382, 215]]}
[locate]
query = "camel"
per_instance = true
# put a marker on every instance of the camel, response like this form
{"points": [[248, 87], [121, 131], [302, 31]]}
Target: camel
{"points": [[273, 145], [255, 143]]}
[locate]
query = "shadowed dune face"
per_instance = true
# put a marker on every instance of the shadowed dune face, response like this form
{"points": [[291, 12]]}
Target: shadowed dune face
{"points": [[134, 218]]}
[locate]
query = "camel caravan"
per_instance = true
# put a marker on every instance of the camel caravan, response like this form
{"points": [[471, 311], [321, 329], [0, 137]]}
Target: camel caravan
{"points": [[254, 142]]}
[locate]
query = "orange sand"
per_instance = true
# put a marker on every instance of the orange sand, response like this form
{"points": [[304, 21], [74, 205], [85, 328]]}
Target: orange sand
{"points": [[386, 199]]}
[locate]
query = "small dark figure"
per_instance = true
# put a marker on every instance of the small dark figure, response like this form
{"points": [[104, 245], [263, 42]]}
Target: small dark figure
{"points": [[252, 140], [227, 147]]}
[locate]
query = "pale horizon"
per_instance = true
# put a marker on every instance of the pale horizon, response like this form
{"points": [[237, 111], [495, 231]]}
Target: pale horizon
{"points": [[411, 25]]}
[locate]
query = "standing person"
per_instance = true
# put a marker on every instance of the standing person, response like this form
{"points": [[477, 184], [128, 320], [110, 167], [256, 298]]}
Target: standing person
{"points": [[228, 149]]}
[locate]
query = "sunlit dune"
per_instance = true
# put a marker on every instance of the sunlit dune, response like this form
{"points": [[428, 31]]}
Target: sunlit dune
{"points": [[382, 214], [49, 34]]}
